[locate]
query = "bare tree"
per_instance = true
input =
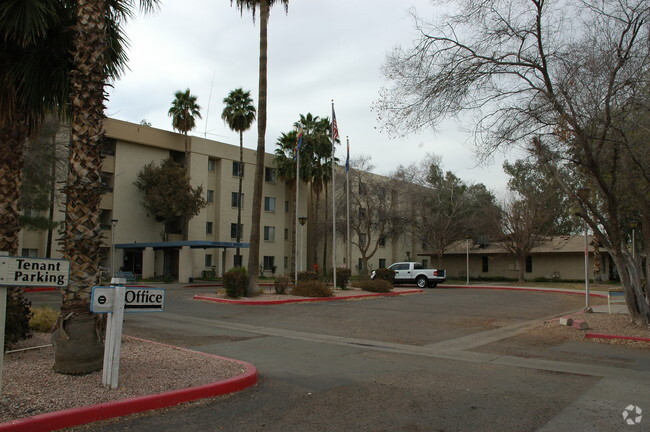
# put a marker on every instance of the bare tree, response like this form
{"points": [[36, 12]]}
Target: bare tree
{"points": [[376, 216], [573, 73]]}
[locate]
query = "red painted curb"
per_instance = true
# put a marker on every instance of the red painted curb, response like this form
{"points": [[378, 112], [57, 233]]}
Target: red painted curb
{"points": [[39, 289], [558, 291], [607, 336], [77, 416], [305, 300]]}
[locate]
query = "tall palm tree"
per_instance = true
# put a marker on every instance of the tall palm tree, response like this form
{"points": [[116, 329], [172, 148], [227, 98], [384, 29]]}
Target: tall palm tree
{"points": [[78, 348], [184, 111], [254, 251], [239, 114], [35, 43]]}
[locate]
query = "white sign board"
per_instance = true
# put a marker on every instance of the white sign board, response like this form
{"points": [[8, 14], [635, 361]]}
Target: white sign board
{"points": [[23, 271], [136, 299]]}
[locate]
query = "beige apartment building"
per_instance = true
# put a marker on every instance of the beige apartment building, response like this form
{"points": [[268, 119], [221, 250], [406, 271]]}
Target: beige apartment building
{"points": [[134, 241]]}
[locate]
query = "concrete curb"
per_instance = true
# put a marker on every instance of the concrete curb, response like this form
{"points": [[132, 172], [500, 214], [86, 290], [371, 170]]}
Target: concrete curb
{"points": [[607, 336], [511, 288], [305, 300], [78, 416]]}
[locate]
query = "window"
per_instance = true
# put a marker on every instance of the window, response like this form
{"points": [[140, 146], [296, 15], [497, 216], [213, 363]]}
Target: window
{"points": [[286, 206], [425, 263], [233, 230], [208, 227], [362, 188], [236, 170], [485, 268], [269, 204], [210, 197], [269, 263], [269, 175], [362, 213], [382, 241], [237, 200], [31, 253], [425, 246], [529, 264], [362, 239], [286, 233], [286, 262], [382, 262], [208, 260], [212, 165], [269, 233]]}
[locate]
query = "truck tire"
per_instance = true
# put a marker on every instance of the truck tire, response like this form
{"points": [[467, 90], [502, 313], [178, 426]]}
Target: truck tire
{"points": [[421, 281]]}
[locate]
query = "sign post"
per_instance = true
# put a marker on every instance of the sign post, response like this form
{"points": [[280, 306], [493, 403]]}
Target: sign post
{"points": [[23, 271], [116, 300]]}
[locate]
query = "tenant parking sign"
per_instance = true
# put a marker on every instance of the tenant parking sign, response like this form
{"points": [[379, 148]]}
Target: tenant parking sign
{"points": [[136, 299], [22, 271]]}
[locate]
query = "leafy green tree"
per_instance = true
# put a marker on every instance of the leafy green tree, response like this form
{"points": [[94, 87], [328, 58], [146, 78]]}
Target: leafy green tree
{"points": [[254, 251], [239, 114], [168, 194]]}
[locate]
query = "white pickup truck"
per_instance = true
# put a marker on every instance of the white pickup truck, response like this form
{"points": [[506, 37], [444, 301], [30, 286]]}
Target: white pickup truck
{"points": [[414, 272]]}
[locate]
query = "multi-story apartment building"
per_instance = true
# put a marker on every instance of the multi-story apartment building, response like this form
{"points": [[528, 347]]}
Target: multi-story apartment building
{"points": [[133, 240]]}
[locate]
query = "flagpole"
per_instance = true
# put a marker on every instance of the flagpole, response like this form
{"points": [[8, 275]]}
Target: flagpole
{"points": [[295, 234], [334, 136], [347, 205]]}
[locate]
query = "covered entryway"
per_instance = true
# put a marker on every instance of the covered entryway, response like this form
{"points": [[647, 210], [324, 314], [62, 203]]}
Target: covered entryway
{"points": [[149, 260]]}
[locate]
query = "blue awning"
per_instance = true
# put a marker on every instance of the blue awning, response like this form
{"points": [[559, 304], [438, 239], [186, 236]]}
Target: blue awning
{"points": [[193, 244]]}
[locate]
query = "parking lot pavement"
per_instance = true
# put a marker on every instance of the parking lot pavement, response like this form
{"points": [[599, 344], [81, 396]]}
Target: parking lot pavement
{"points": [[411, 363]]}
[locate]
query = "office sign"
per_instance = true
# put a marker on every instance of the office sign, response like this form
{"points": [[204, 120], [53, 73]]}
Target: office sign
{"points": [[136, 299]]}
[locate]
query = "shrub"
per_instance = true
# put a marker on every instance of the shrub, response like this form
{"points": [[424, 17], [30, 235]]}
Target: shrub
{"points": [[343, 276], [376, 285], [43, 319], [281, 283], [312, 288], [234, 281], [17, 318], [305, 276], [385, 274]]}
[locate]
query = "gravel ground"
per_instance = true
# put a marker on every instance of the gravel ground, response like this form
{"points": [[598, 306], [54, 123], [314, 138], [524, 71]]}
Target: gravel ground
{"points": [[31, 387], [602, 323]]}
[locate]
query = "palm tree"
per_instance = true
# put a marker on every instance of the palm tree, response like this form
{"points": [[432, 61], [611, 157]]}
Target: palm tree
{"points": [[78, 347], [254, 252], [239, 114], [183, 112], [35, 41], [318, 146]]}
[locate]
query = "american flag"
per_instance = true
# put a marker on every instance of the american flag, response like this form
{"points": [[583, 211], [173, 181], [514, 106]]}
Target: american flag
{"points": [[335, 127]]}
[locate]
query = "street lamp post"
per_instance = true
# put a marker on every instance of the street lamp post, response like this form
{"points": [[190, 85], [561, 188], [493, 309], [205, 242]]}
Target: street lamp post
{"points": [[113, 223], [467, 237], [302, 220], [583, 194], [633, 225]]}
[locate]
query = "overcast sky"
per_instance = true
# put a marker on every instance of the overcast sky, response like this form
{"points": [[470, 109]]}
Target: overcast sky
{"points": [[322, 50]]}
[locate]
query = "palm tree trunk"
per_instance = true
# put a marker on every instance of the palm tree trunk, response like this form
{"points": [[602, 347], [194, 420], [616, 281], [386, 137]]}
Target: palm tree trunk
{"points": [[241, 171], [78, 345], [12, 141], [253, 255]]}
